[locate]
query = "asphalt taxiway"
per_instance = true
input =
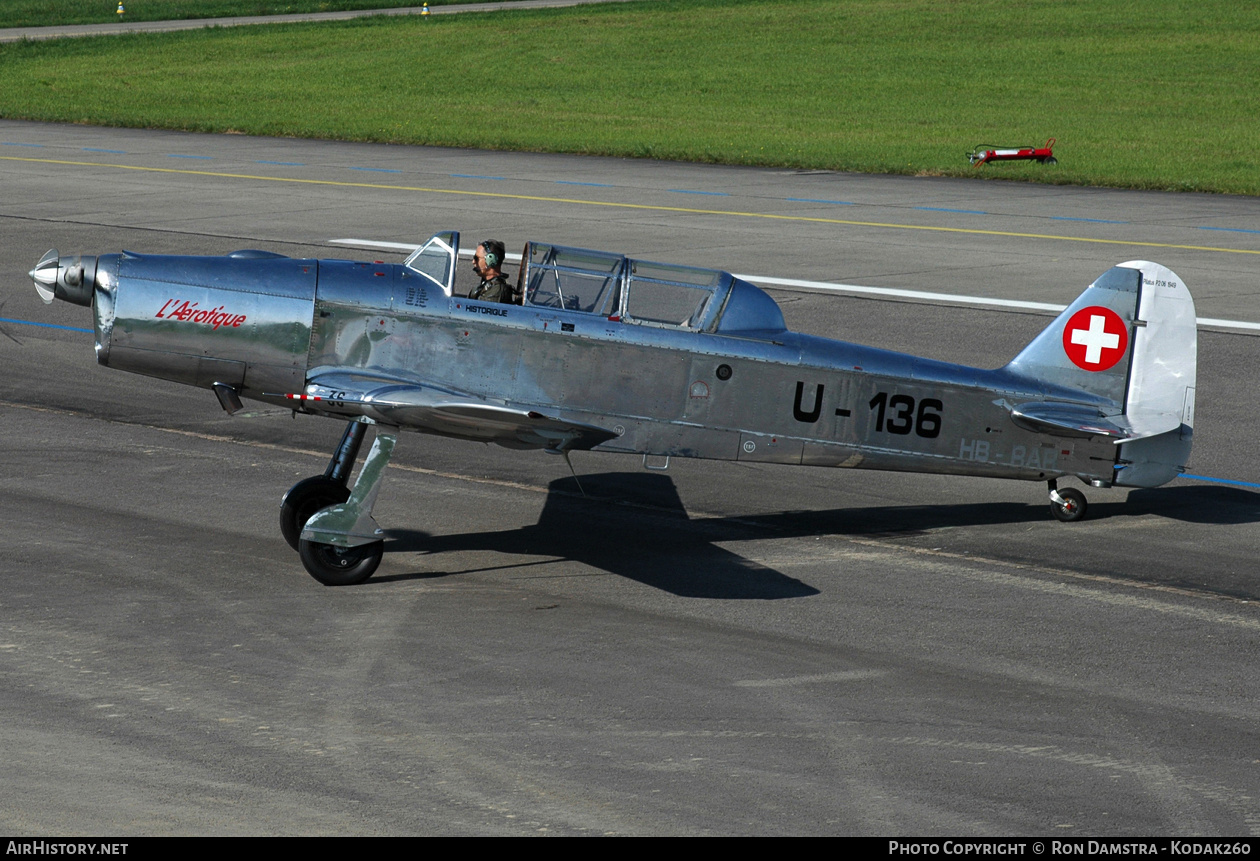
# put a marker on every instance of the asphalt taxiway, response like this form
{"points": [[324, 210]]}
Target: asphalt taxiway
{"points": [[715, 649], [62, 31]]}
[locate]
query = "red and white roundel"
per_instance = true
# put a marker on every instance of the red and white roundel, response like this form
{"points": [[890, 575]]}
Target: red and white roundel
{"points": [[1095, 338]]}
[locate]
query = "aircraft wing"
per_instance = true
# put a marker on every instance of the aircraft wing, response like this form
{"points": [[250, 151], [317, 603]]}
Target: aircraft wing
{"points": [[437, 410], [1080, 420]]}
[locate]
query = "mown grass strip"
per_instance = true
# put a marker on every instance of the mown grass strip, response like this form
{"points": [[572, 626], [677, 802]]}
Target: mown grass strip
{"points": [[1164, 99], [49, 13]]}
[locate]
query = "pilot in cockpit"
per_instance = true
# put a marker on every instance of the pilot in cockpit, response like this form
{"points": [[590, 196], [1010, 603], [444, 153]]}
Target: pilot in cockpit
{"points": [[494, 286]]}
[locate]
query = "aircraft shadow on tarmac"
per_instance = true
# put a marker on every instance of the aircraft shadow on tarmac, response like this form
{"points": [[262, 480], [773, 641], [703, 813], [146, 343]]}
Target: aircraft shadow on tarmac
{"points": [[1188, 503], [634, 525], [1193, 504], [631, 525]]}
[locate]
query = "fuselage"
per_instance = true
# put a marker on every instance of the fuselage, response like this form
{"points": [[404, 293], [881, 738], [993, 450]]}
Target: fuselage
{"points": [[750, 391], [598, 351]]}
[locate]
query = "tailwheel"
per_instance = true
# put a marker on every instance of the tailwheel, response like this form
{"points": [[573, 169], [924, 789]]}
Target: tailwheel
{"points": [[340, 566], [304, 499], [1069, 506]]}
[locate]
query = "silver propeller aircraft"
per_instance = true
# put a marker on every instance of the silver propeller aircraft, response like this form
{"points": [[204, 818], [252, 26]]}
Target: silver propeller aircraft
{"points": [[602, 352]]}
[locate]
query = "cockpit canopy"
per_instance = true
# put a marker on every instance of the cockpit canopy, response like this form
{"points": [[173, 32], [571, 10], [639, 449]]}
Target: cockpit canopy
{"points": [[614, 286], [435, 260]]}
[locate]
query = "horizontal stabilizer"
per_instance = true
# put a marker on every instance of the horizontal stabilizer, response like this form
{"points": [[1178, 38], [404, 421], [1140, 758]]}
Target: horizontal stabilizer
{"points": [[1082, 421]]}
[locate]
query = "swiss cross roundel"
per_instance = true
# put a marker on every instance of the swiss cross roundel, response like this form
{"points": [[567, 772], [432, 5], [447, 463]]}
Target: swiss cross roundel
{"points": [[1095, 338]]}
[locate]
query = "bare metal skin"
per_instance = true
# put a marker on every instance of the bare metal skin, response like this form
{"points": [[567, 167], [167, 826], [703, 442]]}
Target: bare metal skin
{"points": [[612, 354]]}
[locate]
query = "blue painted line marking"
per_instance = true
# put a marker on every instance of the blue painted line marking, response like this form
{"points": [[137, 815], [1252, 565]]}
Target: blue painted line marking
{"points": [[1231, 229], [1220, 480], [1095, 220], [16, 143], [945, 209], [377, 169], [474, 176], [693, 191], [98, 149], [286, 163], [594, 184], [181, 155], [815, 200], [45, 325]]}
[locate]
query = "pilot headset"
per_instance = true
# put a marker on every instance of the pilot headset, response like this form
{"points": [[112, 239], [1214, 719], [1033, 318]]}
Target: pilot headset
{"points": [[494, 256]]}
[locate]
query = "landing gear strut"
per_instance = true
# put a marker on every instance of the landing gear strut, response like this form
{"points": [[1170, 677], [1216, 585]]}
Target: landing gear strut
{"points": [[340, 543], [1067, 505]]}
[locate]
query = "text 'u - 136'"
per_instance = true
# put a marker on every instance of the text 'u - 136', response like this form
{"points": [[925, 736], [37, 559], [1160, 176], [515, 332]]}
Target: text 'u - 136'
{"points": [[895, 414]]}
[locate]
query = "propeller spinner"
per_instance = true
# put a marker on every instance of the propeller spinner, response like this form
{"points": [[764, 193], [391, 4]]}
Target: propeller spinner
{"points": [[68, 278]]}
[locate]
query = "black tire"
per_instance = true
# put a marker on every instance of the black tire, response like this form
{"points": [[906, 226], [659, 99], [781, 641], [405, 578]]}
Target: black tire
{"points": [[1073, 508], [340, 566], [304, 499], [1050, 160]]}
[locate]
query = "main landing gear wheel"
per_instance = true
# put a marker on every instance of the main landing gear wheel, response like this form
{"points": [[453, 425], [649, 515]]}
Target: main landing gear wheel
{"points": [[304, 499], [340, 566], [1072, 508], [332, 516]]}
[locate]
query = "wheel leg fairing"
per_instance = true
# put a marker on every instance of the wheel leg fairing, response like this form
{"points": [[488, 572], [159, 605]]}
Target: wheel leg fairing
{"points": [[351, 524]]}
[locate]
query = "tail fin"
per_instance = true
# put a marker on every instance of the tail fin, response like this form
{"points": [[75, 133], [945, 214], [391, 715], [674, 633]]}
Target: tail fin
{"points": [[1120, 362]]}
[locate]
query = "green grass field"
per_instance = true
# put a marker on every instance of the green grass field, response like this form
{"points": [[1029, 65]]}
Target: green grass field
{"points": [[43, 13], [1160, 94]]}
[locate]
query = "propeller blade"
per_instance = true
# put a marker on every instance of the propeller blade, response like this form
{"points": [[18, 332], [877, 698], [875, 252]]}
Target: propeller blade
{"points": [[45, 275]]}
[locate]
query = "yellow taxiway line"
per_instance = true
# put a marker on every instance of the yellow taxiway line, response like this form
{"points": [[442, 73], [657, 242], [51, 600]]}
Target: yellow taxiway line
{"points": [[639, 206]]}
